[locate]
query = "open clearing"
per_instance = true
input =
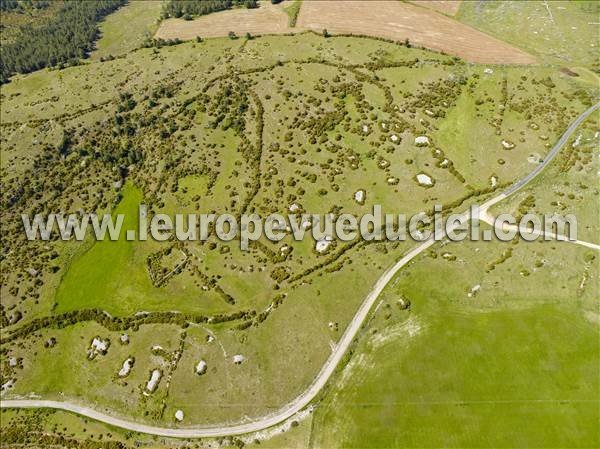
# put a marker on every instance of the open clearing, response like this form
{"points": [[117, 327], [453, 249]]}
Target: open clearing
{"points": [[388, 19], [268, 19], [449, 7], [481, 352], [304, 121], [329, 131], [127, 28], [559, 32]]}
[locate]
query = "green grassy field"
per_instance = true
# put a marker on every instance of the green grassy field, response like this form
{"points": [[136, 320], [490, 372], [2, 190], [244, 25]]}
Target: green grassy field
{"points": [[54, 427], [559, 32], [292, 11], [90, 279], [127, 28], [97, 278], [513, 365], [473, 132], [329, 109]]}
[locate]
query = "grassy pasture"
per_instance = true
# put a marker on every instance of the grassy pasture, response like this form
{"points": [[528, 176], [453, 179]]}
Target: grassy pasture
{"points": [[469, 371], [88, 280], [292, 11], [64, 370], [569, 185], [127, 28], [188, 164], [97, 278], [473, 132], [559, 32]]}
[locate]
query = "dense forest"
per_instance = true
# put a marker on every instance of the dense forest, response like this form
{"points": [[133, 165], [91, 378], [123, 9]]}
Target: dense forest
{"points": [[187, 9], [22, 5], [68, 36]]}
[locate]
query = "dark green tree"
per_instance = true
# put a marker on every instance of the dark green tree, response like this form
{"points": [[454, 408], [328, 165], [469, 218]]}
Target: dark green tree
{"points": [[69, 36]]}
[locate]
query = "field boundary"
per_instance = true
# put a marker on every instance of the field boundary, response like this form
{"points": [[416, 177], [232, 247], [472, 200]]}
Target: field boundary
{"points": [[397, 21]]}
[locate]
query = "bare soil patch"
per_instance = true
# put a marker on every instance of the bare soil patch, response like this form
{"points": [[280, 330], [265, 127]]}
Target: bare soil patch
{"points": [[268, 19], [568, 71]]}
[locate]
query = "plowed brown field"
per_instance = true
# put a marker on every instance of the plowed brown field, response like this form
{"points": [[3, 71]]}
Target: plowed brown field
{"points": [[449, 7], [399, 20], [390, 19], [268, 19]]}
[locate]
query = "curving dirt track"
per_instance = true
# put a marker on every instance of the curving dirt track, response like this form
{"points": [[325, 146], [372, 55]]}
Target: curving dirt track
{"points": [[336, 356]]}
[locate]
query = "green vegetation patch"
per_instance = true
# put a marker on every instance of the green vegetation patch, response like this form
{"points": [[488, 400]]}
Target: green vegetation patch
{"points": [[569, 186], [188, 9], [293, 11], [475, 355], [128, 28], [560, 32], [126, 276], [16, 14], [271, 124], [68, 36]]}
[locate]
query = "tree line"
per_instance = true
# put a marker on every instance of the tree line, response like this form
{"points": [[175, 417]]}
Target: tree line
{"points": [[188, 9], [68, 36], [121, 323], [22, 5]]}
